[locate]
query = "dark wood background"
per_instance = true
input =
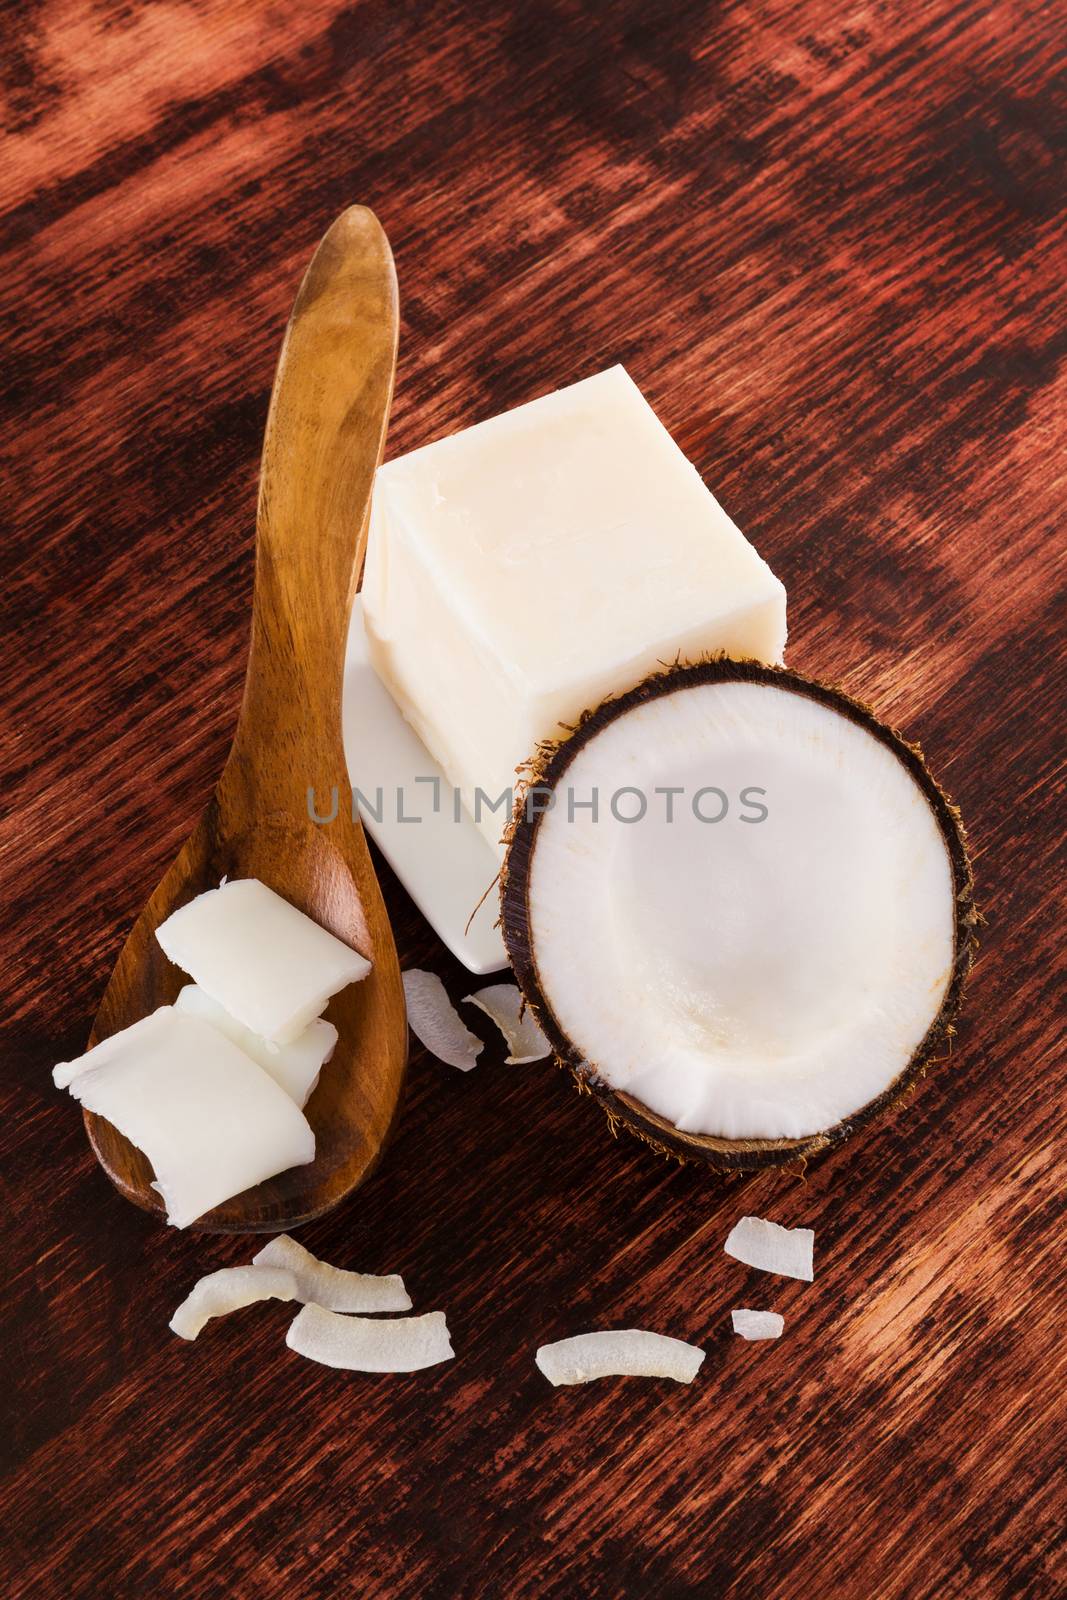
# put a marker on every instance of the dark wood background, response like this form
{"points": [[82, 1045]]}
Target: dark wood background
{"points": [[827, 240]]}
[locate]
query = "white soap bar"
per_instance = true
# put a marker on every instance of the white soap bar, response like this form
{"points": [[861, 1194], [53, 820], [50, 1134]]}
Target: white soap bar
{"points": [[294, 1067], [264, 961], [522, 569], [211, 1122]]}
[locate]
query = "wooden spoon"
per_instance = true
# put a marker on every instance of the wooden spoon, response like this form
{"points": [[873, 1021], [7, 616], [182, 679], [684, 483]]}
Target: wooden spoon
{"points": [[325, 432]]}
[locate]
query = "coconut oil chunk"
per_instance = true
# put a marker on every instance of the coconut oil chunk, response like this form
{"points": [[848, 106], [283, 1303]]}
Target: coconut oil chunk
{"points": [[295, 1067], [211, 1121], [523, 568], [266, 963]]}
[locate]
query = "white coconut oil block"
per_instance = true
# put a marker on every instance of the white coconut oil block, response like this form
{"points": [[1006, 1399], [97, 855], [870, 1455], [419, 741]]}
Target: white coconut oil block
{"points": [[523, 568], [295, 1066], [266, 963], [211, 1121]]}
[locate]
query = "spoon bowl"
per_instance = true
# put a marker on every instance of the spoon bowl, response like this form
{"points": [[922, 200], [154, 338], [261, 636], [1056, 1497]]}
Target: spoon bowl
{"points": [[325, 432]]}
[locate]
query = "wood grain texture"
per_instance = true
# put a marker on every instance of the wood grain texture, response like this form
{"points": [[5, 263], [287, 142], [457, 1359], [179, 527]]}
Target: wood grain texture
{"points": [[828, 242], [324, 438]]}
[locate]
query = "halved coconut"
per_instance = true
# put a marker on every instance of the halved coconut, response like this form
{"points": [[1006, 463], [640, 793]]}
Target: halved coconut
{"points": [[741, 910]]}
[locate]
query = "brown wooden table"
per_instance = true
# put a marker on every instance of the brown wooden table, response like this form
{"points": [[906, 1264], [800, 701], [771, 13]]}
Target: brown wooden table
{"points": [[828, 243]]}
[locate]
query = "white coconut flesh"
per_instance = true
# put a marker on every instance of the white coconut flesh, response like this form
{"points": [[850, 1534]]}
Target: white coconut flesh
{"points": [[743, 979], [504, 1004]]}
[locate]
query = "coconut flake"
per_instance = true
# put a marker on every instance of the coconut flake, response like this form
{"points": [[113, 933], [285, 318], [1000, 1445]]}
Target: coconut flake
{"points": [[332, 1287], [757, 1324], [504, 1004], [231, 1289], [363, 1344], [436, 1023], [622, 1352], [786, 1251]]}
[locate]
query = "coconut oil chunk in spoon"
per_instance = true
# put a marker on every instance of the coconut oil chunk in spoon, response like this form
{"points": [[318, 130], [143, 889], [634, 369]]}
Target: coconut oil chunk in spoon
{"points": [[295, 1066], [523, 568], [209, 1119], [270, 966]]}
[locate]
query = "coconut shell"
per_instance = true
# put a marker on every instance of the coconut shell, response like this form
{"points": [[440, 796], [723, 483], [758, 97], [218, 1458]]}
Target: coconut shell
{"points": [[548, 769]]}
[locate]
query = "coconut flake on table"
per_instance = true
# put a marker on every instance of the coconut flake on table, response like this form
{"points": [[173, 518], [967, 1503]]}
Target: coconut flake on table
{"points": [[757, 1324], [295, 1067], [332, 1288], [368, 1344], [265, 962], [619, 1352], [504, 1004], [771, 1248], [211, 1121], [436, 1023], [231, 1289]]}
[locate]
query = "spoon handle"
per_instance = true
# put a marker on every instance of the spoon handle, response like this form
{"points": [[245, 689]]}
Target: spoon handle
{"points": [[325, 433]]}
